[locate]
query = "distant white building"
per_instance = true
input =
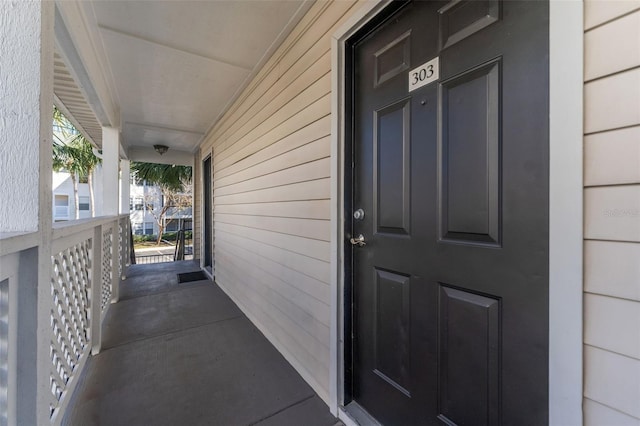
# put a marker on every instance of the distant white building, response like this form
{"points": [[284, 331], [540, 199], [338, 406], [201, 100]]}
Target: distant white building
{"points": [[143, 221], [64, 201]]}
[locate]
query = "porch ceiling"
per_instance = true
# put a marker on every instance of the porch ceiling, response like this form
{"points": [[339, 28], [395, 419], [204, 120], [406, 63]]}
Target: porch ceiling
{"points": [[172, 68]]}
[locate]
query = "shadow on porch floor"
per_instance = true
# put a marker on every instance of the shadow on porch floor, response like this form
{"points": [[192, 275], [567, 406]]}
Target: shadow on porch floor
{"points": [[184, 354]]}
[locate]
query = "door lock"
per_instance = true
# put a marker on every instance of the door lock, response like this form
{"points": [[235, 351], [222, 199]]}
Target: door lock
{"points": [[358, 214], [358, 241]]}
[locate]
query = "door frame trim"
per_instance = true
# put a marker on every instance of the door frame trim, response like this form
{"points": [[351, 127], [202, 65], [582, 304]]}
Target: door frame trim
{"points": [[565, 208], [204, 156]]}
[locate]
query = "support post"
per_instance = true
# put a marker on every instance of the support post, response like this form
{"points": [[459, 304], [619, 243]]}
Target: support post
{"points": [[110, 171], [124, 237], [125, 171], [96, 290], [125, 186], [26, 78], [115, 260]]}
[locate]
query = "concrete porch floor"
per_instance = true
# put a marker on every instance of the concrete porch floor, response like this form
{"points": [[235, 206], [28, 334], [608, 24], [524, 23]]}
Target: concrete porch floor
{"points": [[184, 354]]}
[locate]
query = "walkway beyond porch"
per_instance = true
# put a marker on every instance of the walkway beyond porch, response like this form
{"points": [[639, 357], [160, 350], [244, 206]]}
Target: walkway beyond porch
{"points": [[184, 354]]}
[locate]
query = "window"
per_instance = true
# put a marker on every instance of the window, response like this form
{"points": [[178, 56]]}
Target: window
{"points": [[148, 228], [171, 226], [61, 210], [139, 204], [137, 228], [130, 204], [84, 203]]}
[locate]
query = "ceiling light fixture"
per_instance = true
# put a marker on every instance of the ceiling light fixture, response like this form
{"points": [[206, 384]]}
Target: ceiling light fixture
{"points": [[161, 149]]}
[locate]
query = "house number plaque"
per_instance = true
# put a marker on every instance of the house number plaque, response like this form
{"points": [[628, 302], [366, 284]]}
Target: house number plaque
{"points": [[424, 74]]}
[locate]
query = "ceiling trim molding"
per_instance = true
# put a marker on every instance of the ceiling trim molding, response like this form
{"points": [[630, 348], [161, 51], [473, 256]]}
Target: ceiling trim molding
{"points": [[170, 47], [163, 128]]}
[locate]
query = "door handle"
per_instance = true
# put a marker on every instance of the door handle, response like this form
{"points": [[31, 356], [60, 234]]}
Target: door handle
{"points": [[358, 241]]}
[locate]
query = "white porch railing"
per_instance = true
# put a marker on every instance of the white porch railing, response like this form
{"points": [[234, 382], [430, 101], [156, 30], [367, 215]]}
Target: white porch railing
{"points": [[88, 259]]}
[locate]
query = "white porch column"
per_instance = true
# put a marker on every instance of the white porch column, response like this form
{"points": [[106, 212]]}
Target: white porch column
{"points": [[26, 82], [125, 171], [110, 171], [26, 79]]}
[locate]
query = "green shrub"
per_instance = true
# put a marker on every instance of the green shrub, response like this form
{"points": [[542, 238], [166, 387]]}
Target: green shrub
{"points": [[172, 236], [168, 236], [144, 238]]}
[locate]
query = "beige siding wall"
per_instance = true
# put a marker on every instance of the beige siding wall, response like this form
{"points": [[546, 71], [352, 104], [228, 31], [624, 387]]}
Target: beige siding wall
{"points": [[612, 213], [272, 195], [272, 202]]}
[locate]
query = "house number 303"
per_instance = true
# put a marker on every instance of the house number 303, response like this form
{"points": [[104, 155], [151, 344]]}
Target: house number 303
{"points": [[424, 74]]}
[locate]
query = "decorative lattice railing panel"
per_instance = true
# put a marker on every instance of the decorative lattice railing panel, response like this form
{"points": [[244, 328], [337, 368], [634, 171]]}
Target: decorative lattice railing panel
{"points": [[70, 289], [107, 267]]}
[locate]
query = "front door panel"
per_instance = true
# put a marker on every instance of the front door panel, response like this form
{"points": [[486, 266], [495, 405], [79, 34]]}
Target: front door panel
{"points": [[450, 290]]}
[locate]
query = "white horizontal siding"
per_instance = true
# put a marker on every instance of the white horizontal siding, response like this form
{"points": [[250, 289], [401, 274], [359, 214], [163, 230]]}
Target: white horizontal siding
{"points": [[309, 114], [280, 112], [314, 249], [596, 414], [296, 157], [307, 228], [612, 380], [310, 190], [272, 195], [598, 12], [309, 266], [612, 158], [297, 139], [612, 324], [613, 102], [612, 213], [303, 282], [612, 269], [316, 209], [613, 48]]}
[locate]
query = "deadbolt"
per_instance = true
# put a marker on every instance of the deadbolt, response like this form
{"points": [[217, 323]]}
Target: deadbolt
{"points": [[358, 214]]}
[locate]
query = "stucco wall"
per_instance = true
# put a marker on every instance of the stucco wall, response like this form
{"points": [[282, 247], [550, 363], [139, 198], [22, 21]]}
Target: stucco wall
{"points": [[20, 67], [612, 213]]}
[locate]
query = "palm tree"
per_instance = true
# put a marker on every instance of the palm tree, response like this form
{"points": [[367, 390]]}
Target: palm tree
{"points": [[168, 176], [73, 153], [172, 181], [89, 161]]}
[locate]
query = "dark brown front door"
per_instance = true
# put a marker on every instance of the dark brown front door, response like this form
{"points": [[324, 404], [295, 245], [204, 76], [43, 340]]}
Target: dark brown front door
{"points": [[450, 290], [208, 214]]}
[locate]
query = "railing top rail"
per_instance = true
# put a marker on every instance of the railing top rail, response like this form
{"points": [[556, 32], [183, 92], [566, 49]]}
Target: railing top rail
{"points": [[13, 242], [64, 229]]}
